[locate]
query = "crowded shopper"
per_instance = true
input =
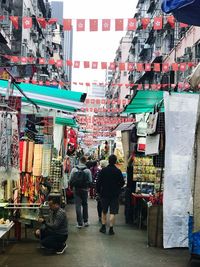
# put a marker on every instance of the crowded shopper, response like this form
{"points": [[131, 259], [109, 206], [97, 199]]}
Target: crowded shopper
{"points": [[103, 164], [109, 183], [80, 180], [94, 170], [53, 233]]}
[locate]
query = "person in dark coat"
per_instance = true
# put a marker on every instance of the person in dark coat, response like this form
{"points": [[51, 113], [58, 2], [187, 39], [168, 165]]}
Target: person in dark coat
{"points": [[109, 183]]}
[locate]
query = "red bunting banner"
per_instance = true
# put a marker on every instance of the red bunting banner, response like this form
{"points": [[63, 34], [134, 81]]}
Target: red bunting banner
{"points": [[154, 87], [92, 25], [94, 65], [15, 21], [122, 66], [119, 24], [171, 21], [103, 120], [106, 25], [158, 23], [148, 67], [145, 22], [132, 25], [52, 21], [102, 110], [67, 24], [42, 22], [42, 61], [86, 64], [80, 25], [98, 101], [27, 22]]}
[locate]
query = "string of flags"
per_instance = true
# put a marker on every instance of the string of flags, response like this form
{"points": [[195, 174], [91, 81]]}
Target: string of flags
{"points": [[93, 25], [102, 110], [139, 86], [122, 66], [103, 120], [102, 101]]}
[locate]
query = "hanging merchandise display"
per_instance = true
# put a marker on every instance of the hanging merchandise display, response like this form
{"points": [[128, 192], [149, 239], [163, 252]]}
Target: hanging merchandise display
{"points": [[35, 156], [71, 141], [144, 170], [142, 127], [152, 145], [152, 123], [141, 144], [10, 109], [55, 178], [9, 146]]}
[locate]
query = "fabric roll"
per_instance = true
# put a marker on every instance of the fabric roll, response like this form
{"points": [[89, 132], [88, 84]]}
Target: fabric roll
{"points": [[37, 162], [46, 159], [24, 155], [21, 152], [29, 166]]}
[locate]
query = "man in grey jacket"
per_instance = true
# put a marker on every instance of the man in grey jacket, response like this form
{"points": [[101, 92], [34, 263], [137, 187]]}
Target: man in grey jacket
{"points": [[54, 232], [81, 191]]}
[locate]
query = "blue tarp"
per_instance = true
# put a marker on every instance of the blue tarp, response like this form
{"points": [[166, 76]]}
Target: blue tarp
{"points": [[186, 11]]}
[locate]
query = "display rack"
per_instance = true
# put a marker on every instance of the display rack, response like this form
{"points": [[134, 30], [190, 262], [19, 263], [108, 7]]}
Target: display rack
{"points": [[55, 177], [144, 170]]}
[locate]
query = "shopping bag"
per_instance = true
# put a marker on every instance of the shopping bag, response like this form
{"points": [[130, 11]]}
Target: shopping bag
{"points": [[152, 123]]}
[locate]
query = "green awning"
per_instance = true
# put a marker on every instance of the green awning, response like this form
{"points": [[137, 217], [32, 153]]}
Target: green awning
{"points": [[49, 97], [66, 122], [144, 102]]}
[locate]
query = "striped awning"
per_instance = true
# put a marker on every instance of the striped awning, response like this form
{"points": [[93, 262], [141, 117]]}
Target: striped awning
{"points": [[144, 102], [48, 97], [66, 122]]}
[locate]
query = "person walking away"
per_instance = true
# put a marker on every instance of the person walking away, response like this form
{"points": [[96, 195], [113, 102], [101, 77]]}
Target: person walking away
{"points": [[109, 183], [80, 180], [89, 162], [94, 170], [103, 164], [53, 233]]}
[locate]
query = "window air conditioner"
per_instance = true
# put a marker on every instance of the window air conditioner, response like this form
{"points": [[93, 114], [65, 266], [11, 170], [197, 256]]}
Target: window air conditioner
{"points": [[188, 50]]}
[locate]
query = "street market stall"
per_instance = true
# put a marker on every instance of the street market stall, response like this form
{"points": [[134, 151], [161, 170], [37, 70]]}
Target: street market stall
{"points": [[27, 172], [170, 153]]}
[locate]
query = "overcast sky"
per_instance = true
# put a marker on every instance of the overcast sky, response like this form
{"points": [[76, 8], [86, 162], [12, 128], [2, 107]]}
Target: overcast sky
{"points": [[96, 46]]}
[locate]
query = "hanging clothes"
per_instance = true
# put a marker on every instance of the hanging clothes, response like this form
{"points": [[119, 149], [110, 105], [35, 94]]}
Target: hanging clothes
{"points": [[9, 146], [37, 162], [46, 159]]}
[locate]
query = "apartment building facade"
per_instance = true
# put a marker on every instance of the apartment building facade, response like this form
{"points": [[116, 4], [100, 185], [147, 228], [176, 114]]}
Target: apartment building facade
{"points": [[67, 40], [173, 43], [36, 41], [170, 44], [117, 89]]}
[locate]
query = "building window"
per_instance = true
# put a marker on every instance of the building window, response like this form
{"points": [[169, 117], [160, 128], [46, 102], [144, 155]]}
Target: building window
{"points": [[24, 50]]}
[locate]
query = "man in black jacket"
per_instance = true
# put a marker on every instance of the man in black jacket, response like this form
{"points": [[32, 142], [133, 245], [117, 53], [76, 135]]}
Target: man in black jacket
{"points": [[109, 184]]}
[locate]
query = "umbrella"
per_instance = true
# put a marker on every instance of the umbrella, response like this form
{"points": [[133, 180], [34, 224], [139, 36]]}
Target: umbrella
{"points": [[186, 11]]}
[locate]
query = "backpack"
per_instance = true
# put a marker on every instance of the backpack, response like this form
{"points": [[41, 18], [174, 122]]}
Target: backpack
{"points": [[79, 179]]}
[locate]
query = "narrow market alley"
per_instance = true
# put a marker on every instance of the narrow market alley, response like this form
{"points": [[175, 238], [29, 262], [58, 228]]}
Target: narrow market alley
{"points": [[89, 248]]}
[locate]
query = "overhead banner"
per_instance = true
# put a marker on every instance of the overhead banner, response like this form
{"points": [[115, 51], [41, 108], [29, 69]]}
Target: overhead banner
{"points": [[180, 123]]}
